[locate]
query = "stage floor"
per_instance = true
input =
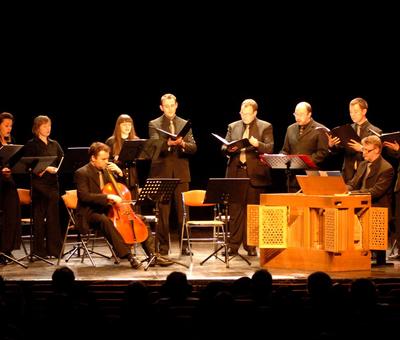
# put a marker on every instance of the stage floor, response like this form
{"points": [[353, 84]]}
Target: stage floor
{"points": [[213, 269]]}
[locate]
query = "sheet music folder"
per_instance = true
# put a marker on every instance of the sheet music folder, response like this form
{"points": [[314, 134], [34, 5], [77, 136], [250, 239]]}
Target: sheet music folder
{"points": [[241, 143], [282, 161], [7, 152], [37, 164], [388, 136], [322, 185], [345, 133], [181, 133]]}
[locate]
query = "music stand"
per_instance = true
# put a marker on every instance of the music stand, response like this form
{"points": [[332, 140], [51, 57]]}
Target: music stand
{"points": [[75, 157], [33, 165], [8, 151], [158, 190], [288, 162], [226, 191]]}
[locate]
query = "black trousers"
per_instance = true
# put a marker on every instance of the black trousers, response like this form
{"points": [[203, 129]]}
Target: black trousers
{"points": [[238, 213]]}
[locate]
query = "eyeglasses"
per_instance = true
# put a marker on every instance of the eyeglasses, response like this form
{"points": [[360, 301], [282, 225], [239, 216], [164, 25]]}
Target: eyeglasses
{"points": [[300, 114], [368, 150], [246, 113]]}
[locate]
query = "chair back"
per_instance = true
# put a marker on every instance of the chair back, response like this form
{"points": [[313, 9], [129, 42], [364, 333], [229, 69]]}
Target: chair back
{"points": [[24, 196], [70, 199], [195, 198]]}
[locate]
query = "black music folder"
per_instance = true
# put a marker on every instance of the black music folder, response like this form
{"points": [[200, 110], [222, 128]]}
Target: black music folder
{"points": [[388, 136], [345, 133], [181, 133], [241, 143]]}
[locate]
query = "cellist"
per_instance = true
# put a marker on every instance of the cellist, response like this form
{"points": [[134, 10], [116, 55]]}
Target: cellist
{"points": [[93, 204]]}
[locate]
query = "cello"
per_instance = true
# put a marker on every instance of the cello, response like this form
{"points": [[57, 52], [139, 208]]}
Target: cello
{"points": [[130, 226]]}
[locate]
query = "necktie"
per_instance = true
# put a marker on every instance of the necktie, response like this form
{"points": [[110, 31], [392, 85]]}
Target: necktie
{"points": [[171, 126], [242, 156], [101, 180], [366, 174], [358, 131], [301, 130]]}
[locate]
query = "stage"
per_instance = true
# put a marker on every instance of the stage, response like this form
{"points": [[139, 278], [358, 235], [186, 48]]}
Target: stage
{"points": [[213, 269]]}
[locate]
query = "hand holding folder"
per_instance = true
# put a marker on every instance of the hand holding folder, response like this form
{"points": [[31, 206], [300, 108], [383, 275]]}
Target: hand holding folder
{"points": [[182, 133], [240, 144]]}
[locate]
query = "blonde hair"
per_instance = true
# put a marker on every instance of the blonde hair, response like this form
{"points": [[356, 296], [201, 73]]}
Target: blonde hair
{"points": [[250, 102]]}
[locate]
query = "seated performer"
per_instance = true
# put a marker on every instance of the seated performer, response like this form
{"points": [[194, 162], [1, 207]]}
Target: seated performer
{"points": [[93, 205], [374, 175]]}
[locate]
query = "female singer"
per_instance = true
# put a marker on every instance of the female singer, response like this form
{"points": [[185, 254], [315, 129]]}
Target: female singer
{"points": [[124, 129], [45, 191], [10, 213]]}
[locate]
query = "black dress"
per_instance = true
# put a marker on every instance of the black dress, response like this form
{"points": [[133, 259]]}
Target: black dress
{"points": [[10, 216]]}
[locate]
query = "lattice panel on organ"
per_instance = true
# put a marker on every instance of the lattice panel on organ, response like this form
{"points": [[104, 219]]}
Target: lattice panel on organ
{"points": [[252, 224], [335, 230], [273, 226], [378, 228]]}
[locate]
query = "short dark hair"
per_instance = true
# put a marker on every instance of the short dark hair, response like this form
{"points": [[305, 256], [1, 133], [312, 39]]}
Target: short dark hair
{"points": [[96, 147]]}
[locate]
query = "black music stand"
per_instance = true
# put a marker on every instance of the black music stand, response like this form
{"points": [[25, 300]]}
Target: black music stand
{"points": [[6, 153], [137, 149], [75, 157], [158, 190], [226, 191], [289, 163], [33, 165]]}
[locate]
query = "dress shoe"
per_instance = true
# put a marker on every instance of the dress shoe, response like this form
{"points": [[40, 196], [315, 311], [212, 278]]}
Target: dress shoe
{"points": [[394, 257], [163, 262], [252, 252], [231, 252], [186, 252], [135, 263]]}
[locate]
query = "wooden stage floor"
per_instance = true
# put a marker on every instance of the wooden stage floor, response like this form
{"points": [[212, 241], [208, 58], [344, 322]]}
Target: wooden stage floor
{"points": [[213, 269]]}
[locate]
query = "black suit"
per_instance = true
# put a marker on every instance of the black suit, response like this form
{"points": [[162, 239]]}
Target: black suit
{"points": [[379, 184], [93, 206], [173, 162], [351, 156], [313, 142], [255, 170]]}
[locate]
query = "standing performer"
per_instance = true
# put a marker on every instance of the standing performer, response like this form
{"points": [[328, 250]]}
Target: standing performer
{"points": [[245, 163], [124, 130], [47, 239], [10, 214], [173, 162]]}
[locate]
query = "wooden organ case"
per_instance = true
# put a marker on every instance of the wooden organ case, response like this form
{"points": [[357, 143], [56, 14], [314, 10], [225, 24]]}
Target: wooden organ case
{"points": [[317, 232]]}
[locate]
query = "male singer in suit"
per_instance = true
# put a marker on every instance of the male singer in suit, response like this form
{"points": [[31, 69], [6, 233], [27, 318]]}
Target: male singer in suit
{"points": [[93, 204], [245, 163], [353, 154], [374, 175], [173, 162], [307, 137]]}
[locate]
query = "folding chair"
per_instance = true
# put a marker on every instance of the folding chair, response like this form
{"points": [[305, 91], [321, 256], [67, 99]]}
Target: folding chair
{"points": [[70, 199], [195, 199]]}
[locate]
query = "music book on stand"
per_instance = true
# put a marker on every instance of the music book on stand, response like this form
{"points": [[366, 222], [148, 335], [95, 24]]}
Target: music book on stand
{"points": [[133, 149], [388, 136], [282, 161], [36, 164], [241, 143], [182, 133], [7, 152]]}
